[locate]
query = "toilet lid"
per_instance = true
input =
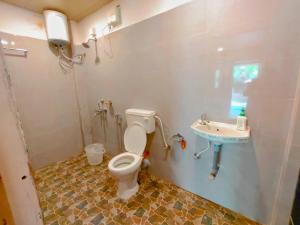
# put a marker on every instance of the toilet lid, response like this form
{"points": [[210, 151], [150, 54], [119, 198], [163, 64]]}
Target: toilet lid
{"points": [[135, 139]]}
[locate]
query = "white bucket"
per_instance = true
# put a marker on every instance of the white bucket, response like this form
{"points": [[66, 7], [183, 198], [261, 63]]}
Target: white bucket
{"points": [[94, 153]]}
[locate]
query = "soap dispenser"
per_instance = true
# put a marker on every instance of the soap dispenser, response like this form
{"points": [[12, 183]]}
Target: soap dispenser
{"points": [[241, 122]]}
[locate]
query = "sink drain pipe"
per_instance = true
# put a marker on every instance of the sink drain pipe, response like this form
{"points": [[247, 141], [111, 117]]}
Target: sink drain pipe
{"points": [[216, 161]]}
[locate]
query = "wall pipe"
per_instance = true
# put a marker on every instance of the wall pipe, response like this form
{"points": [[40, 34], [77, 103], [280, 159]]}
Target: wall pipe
{"points": [[216, 160], [166, 146]]}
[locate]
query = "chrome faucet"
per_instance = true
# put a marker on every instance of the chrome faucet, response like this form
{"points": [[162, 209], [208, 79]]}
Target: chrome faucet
{"points": [[100, 111], [203, 119]]}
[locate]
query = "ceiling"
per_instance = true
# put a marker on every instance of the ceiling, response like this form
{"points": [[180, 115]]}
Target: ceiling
{"points": [[74, 9]]}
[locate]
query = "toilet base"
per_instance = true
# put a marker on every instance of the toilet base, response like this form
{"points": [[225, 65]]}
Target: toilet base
{"points": [[128, 186], [125, 194]]}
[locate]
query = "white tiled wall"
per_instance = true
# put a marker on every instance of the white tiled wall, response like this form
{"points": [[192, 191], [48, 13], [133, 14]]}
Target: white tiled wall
{"points": [[168, 63], [47, 102], [21, 193]]}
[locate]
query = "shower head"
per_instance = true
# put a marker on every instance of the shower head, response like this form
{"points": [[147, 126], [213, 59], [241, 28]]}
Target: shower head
{"points": [[86, 44]]}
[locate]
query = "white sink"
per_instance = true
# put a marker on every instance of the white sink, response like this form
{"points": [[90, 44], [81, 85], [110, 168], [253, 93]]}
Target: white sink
{"points": [[220, 133]]}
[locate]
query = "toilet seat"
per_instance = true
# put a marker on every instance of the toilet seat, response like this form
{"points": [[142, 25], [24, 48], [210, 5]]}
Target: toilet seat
{"points": [[124, 163], [135, 139]]}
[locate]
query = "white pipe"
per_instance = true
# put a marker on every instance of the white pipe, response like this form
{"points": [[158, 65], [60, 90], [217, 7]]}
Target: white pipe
{"points": [[291, 220], [197, 155], [72, 60], [162, 131]]}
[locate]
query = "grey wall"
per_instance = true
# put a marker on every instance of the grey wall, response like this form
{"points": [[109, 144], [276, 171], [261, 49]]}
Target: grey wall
{"points": [[168, 64], [47, 102]]}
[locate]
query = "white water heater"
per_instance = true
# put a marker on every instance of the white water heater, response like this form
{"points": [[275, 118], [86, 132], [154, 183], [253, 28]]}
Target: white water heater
{"points": [[57, 28]]}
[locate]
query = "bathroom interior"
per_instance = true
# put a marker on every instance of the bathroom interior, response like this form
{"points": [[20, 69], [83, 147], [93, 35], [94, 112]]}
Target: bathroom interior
{"points": [[149, 112]]}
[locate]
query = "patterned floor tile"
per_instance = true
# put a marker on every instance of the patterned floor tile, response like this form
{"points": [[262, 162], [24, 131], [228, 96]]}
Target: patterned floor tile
{"points": [[75, 193]]}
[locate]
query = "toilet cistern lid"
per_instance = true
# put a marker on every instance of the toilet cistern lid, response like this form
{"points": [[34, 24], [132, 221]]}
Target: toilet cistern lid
{"points": [[135, 139]]}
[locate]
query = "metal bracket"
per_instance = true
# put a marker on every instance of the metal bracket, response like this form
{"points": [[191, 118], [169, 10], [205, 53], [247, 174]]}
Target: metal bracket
{"points": [[177, 137]]}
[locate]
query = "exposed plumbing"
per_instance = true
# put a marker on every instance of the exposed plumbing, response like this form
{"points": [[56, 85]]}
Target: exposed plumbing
{"points": [[197, 155], [66, 63], [177, 137], [119, 124], [180, 139], [102, 112], [216, 148], [166, 145], [216, 161]]}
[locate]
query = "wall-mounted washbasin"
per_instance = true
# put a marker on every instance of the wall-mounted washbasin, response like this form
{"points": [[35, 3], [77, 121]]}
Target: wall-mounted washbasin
{"points": [[217, 134], [222, 133]]}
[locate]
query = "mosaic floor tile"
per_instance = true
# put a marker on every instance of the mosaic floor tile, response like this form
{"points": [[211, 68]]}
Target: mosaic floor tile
{"points": [[75, 193]]}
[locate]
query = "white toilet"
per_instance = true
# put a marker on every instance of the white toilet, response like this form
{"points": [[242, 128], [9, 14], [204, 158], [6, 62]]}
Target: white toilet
{"points": [[125, 166]]}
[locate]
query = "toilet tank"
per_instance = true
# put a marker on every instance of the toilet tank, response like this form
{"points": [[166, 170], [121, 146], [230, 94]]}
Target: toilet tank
{"points": [[141, 116]]}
